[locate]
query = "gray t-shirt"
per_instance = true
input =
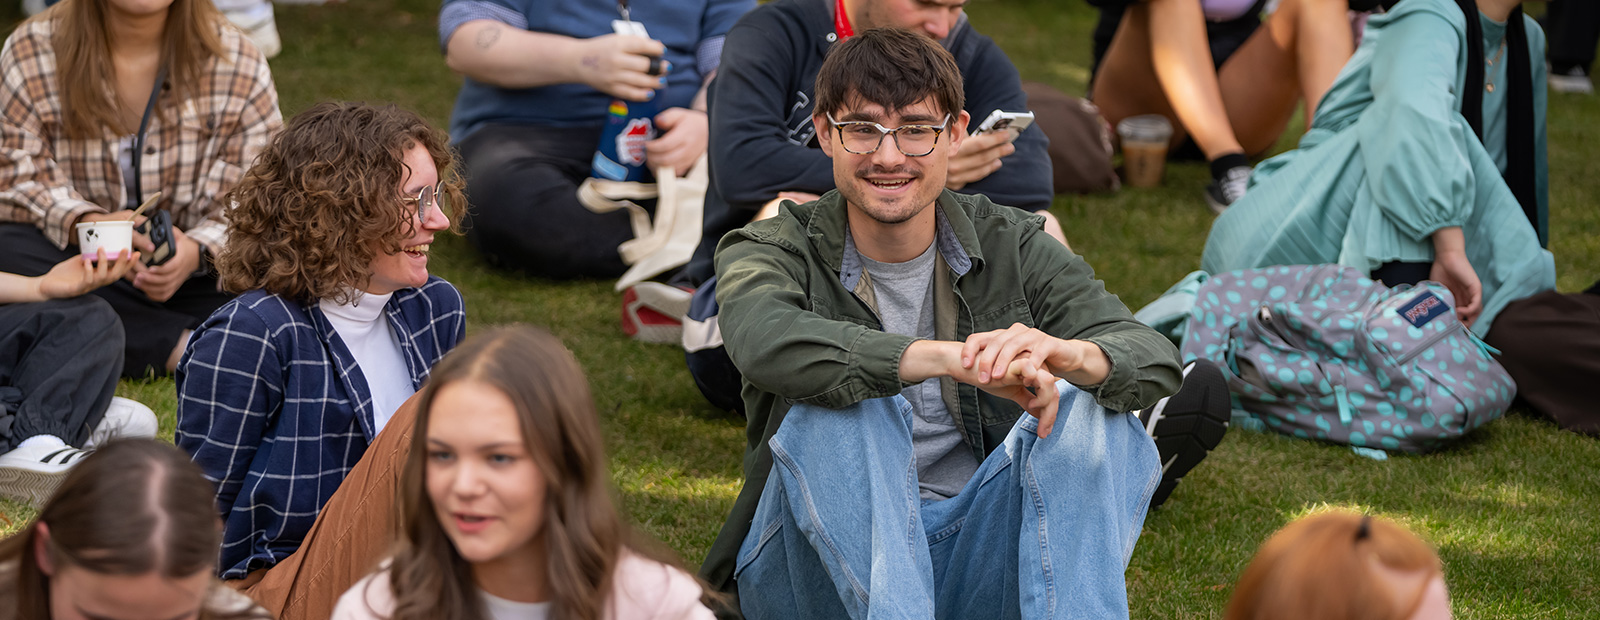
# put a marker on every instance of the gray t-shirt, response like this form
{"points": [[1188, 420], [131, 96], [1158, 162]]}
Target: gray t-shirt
{"points": [[905, 304]]}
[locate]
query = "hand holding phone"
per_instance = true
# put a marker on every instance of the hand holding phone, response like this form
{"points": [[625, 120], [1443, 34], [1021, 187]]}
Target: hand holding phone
{"points": [[1010, 122], [158, 227]]}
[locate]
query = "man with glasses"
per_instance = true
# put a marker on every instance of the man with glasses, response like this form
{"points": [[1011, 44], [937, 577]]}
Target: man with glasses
{"points": [[891, 335], [763, 148]]}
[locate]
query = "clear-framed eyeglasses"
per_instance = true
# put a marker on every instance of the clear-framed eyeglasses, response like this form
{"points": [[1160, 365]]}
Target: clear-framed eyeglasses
{"points": [[426, 198], [864, 137]]}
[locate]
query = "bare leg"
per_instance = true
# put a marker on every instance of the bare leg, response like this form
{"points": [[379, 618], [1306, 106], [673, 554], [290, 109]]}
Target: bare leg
{"points": [[1295, 55], [177, 351], [1159, 62]]}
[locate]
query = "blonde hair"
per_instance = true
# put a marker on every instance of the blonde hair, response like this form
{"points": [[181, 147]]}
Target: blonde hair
{"points": [[1321, 567], [82, 44]]}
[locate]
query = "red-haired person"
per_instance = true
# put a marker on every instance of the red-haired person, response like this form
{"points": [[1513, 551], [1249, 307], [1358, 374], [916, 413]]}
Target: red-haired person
{"points": [[1342, 566]]}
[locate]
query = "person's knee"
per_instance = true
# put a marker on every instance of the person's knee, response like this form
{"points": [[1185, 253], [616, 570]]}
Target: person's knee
{"points": [[871, 412], [86, 314]]}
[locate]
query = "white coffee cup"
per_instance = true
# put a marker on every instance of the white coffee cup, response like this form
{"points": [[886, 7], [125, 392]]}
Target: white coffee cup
{"points": [[112, 236]]}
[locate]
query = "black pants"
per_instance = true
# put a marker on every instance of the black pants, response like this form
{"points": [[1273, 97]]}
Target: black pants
{"points": [[1574, 29], [153, 328], [522, 186], [1395, 273], [59, 361]]}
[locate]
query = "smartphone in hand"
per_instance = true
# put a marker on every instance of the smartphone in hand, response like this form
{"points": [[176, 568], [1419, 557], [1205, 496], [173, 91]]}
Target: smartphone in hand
{"points": [[158, 227], [1010, 122]]}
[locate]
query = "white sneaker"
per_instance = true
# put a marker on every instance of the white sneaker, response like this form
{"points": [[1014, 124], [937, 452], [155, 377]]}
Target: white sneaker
{"points": [[1574, 81], [124, 418], [31, 473]]}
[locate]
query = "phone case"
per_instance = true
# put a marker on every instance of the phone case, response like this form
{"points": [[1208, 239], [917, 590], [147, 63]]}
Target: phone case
{"points": [[158, 226]]}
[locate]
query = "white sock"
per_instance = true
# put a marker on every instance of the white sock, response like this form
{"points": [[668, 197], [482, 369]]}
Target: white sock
{"points": [[48, 441]]}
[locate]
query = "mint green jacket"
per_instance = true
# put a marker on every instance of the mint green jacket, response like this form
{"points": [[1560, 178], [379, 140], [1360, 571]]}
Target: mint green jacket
{"points": [[797, 317], [1389, 160]]}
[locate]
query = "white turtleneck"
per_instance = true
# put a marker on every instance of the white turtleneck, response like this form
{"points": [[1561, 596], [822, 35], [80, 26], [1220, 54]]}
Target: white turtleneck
{"points": [[365, 330]]}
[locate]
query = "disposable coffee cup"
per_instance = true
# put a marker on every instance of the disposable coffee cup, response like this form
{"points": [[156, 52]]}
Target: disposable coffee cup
{"points": [[111, 236], [1144, 148]]}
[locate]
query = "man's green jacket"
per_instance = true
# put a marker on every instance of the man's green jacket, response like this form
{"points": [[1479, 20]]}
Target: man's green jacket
{"points": [[797, 315]]}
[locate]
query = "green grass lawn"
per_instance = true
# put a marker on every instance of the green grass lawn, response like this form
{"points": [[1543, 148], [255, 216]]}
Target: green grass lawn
{"points": [[1513, 509]]}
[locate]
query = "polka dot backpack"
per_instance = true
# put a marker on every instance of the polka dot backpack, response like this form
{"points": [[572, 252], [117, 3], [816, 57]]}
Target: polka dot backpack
{"points": [[1322, 352]]}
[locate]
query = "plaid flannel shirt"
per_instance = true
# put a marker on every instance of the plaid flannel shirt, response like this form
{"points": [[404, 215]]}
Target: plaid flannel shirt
{"points": [[275, 411], [50, 180]]}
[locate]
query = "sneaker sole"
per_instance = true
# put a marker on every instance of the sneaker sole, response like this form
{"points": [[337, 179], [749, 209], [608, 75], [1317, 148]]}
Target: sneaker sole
{"points": [[1216, 206], [1571, 85], [1192, 425], [33, 487]]}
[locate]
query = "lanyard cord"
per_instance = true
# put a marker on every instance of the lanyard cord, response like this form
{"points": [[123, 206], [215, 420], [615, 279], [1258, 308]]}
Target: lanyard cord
{"points": [[622, 7], [144, 126]]}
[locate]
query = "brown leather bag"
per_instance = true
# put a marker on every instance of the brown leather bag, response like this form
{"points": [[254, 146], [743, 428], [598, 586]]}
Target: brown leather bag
{"points": [[1080, 140]]}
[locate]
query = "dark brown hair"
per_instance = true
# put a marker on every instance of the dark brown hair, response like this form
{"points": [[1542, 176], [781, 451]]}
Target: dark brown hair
{"points": [[133, 507], [1321, 568], [82, 43], [891, 67], [323, 200], [584, 535]]}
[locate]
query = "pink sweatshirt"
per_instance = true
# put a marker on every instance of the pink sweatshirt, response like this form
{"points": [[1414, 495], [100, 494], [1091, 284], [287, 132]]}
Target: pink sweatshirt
{"points": [[642, 590]]}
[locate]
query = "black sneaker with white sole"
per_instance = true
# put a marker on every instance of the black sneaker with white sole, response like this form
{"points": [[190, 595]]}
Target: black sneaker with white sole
{"points": [[1188, 425], [1228, 188]]}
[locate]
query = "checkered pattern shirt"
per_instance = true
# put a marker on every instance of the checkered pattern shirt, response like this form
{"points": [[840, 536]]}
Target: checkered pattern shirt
{"points": [[50, 180], [274, 409]]}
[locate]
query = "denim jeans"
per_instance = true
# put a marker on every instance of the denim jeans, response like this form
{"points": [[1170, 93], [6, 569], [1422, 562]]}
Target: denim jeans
{"points": [[1044, 529]]}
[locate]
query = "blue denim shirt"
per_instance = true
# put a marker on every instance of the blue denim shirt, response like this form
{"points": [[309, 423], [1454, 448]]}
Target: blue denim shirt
{"points": [[275, 411]]}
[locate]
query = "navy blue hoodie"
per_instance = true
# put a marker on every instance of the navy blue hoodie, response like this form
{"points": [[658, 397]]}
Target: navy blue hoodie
{"points": [[762, 139]]}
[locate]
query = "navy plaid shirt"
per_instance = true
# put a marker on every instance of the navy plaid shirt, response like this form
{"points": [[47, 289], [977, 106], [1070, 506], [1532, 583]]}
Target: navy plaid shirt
{"points": [[274, 410]]}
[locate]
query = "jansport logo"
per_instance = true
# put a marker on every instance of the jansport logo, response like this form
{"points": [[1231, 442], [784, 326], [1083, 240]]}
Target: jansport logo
{"points": [[1424, 308], [630, 143]]}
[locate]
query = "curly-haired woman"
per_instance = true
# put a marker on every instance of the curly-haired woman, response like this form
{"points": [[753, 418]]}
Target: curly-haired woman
{"points": [[508, 509], [290, 396], [108, 102]]}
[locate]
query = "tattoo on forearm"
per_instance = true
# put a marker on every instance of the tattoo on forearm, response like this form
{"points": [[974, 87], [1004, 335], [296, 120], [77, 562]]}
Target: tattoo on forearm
{"points": [[591, 62], [488, 36]]}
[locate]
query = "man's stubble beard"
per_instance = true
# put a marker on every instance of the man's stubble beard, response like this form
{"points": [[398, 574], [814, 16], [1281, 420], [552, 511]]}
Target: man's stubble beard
{"points": [[855, 194]]}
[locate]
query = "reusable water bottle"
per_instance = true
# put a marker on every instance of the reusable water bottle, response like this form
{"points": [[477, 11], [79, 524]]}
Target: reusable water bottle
{"points": [[629, 124]]}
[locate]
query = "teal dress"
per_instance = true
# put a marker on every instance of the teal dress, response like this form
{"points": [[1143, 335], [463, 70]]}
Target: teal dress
{"points": [[1389, 160]]}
